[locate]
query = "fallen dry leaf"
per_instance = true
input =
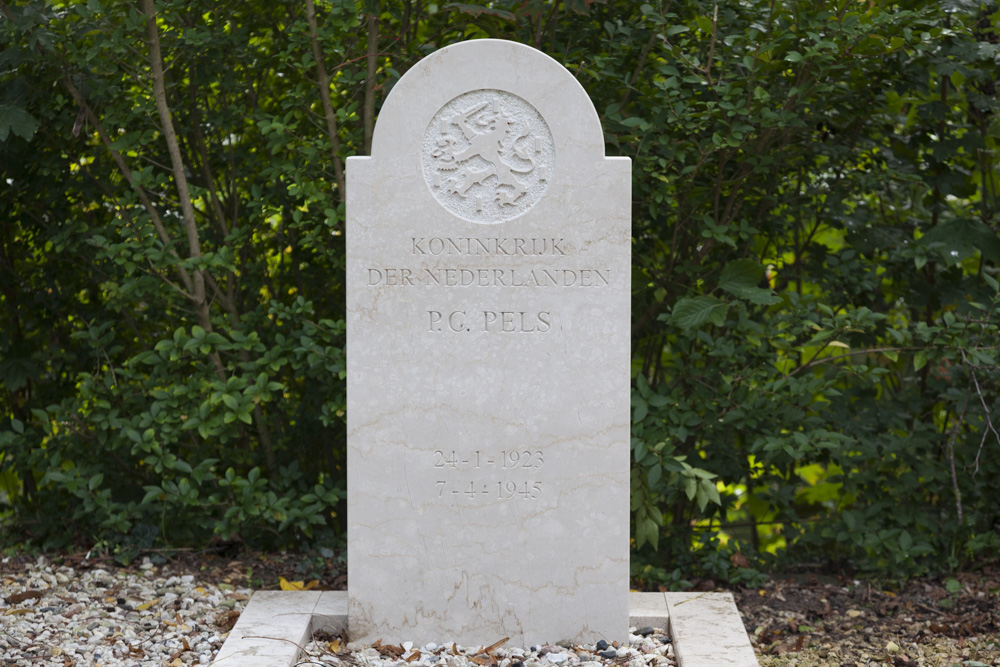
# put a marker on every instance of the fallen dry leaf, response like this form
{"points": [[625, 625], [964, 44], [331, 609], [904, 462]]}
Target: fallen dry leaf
{"points": [[390, 650], [492, 647], [18, 598], [287, 585], [18, 612], [226, 620]]}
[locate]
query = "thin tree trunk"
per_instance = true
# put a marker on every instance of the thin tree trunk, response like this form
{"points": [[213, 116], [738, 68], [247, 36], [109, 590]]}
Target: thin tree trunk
{"points": [[198, 294], [324, 96], [369, 108], [404, 24], [643, 55], [161, 229]]}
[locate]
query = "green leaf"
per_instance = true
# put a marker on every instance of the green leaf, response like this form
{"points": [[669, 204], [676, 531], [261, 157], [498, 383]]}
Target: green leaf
{"points": [[476, 10], [654, 474], [16, 373], [758, 295], [18, 121], [693, 313], [152, 493], [958, 239], [231, 402], [905, 541], [713, 493], [646, 531], [740, 274], [95, 481], [702, 495], [741, 277], [639, 448]]}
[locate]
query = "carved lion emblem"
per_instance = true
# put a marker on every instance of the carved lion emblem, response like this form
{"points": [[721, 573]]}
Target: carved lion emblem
{"points": [[488, 156]]}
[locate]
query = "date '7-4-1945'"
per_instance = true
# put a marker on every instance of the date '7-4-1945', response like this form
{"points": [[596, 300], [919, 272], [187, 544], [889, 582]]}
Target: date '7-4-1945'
{"points": [[488, 490]]}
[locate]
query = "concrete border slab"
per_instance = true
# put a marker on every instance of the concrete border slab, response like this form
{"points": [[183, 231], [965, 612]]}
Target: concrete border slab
{"points": [[707, 631], [648, 609], [706, 627], [275, 625], [330, 614]]}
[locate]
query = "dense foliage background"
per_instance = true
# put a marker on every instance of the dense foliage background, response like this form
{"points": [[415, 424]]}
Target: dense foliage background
{"points": [[815, 277]]}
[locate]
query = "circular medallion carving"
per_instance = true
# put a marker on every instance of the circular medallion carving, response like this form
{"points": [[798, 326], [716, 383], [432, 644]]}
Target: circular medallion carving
{"points": [[488, 156]]}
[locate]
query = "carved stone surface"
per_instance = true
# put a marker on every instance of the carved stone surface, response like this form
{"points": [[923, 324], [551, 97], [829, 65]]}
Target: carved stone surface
{"points": [[488, 291], [488, 156]]}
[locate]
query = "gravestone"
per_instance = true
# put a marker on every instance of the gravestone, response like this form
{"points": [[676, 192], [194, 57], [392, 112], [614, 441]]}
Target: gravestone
{"points": [[488, 315]]}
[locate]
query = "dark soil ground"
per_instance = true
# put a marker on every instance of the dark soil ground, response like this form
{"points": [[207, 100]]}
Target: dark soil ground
{"points": [[799, 620], [812, 620]]}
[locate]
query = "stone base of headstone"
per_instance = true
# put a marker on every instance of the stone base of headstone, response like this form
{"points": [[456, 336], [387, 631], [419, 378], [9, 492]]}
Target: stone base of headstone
{"points": [[706, 628]]}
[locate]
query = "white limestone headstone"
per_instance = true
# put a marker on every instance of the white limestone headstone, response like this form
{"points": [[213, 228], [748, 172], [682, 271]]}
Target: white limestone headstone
{"points": [[488, 303]]}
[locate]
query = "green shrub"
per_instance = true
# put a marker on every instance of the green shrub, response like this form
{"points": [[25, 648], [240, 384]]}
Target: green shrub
{"points": [[815, 268]]}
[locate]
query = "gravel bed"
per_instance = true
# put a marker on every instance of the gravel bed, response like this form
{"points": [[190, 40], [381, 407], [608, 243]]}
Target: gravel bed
{"points": [[180, 613], [647, 647], [58, 616]]}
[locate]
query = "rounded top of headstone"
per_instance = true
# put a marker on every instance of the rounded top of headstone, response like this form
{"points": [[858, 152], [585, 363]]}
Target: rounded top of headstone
{"points": [[489, 124]]}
